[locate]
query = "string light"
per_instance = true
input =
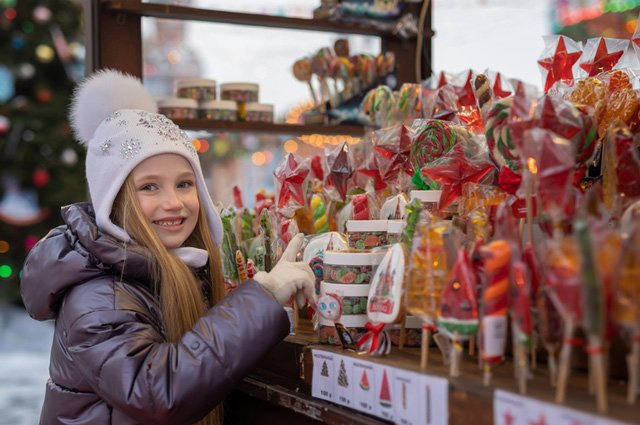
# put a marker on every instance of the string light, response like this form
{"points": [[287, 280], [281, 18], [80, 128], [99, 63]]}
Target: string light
{"points": [[319, 140], [5, 271], [290, 146], [258, 158]]}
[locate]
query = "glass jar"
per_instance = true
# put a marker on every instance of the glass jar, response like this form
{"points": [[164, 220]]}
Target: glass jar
{"points": [[259, 112], [178, 108], [199, 89], [366, 234], [241, 93], [220, 110]]}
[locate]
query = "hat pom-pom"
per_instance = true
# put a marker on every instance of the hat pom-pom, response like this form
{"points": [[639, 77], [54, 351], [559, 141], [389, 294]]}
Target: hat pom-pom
{"points": [[102, 93]]}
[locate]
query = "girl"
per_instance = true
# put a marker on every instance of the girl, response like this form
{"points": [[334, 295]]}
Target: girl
{"points": [[133, 280]]}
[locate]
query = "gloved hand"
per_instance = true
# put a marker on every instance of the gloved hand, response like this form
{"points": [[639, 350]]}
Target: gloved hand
{"points": [[289, 277]]}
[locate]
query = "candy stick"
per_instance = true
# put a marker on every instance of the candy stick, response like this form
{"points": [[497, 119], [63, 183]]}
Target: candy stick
{"points": [[427, 276], [267, 237], [242, 269], [229, 245], [496, 258], [521, 322], [251, 269], [626, 311], [593, 306], [565, 293]]}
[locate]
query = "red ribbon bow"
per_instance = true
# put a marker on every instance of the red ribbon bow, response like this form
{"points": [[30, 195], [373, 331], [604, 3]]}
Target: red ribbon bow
{"points": [[373, 333]]}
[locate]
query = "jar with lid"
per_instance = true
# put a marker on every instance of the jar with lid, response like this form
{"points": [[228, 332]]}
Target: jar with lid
{"points": [[220, 110], [259, 112], [178, 108], [199, 89]]}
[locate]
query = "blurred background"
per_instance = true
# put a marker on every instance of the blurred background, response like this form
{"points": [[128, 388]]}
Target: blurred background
{"points": [[42, 57]]}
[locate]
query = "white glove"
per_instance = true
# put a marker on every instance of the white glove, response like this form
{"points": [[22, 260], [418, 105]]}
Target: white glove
{"points": [[289, 277]]}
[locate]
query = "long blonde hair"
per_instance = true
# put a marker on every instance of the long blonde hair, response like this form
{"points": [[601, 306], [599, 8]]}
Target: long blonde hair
{"points": [[181, 296]]}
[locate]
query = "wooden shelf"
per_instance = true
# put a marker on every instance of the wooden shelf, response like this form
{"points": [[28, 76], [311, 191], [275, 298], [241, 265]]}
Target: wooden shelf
{"points": [[272, 128], [165, 11], [286, 372]]}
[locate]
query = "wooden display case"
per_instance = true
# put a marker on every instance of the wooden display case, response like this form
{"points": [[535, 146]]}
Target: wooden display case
{"points": [[111, 24]]}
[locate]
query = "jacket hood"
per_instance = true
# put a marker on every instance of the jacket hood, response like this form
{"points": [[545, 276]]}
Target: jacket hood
{"points": [[74, 253]]}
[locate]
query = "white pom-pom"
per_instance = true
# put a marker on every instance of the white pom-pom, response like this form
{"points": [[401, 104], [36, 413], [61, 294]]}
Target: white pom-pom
{"points": [[101, 94]]}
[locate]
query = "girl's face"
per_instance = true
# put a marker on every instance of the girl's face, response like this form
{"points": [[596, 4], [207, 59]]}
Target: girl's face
{"points": [[166, 190]]}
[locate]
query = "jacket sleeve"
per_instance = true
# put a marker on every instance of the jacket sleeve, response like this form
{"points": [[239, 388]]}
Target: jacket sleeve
{"points": [[125, 360]]}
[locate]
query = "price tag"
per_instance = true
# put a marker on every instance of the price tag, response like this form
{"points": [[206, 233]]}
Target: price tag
{"points": [[364, 389], [410, 396], [323, 375], [436, 400], [343, 380], [514, 409], [385, 397]]}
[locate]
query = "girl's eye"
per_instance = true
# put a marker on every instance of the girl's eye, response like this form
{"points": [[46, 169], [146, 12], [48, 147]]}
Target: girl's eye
{"points": [[148, 187], [186, 184]]}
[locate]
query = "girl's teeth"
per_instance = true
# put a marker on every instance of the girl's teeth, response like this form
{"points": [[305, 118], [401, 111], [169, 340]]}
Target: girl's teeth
{"points": [[169, 223]]}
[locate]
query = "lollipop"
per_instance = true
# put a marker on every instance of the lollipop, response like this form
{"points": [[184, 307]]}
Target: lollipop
{"points": [[496, 257], [302, 72], [319, 214], [626, 310], [502, 149], [458, 313], [427, 276], [339, 168], [430, 139]]}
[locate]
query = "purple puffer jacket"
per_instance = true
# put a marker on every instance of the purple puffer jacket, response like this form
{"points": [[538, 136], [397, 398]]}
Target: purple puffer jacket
{"points": [[110, 362]]}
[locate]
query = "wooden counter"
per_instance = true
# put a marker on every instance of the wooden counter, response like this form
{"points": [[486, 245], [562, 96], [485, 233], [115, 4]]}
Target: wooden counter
{"points": [[279, 389]]}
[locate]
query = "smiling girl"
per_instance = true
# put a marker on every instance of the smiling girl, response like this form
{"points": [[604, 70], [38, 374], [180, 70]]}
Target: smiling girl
{"points": [[133, 280]]}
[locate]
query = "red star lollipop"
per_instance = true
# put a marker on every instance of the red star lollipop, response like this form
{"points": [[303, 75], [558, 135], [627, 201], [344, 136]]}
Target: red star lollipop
{"points": [[602, 60], [290, 176], [340, 169], [497, 88], [393, 152], [463, 163], [559, 66]]}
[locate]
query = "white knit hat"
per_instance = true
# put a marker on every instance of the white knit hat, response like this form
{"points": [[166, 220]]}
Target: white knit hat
{"points": [[116, 118]]}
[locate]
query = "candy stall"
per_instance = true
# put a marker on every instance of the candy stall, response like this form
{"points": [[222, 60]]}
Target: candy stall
{"points": [[476, 249]]}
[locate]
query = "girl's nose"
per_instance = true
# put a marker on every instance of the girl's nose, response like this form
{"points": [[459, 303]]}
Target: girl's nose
{"points": [[171, 200]]}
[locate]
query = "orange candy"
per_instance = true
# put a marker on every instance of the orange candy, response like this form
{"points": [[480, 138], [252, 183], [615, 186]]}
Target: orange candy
{"points": [[622, 105]]}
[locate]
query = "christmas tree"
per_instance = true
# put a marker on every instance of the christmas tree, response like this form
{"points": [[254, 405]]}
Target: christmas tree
{"points": [[325, 369], [343, 381], [41, 165]]}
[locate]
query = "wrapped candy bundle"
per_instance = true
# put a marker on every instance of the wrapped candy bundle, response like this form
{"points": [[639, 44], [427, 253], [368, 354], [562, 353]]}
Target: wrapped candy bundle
{"points": [[558, 59], [319, 214], [465, 162], [430, 140], [427, 275], [384, 305], [392, 150], [339, 171], [380, 106], [562, 272], [458, 313], [496, 259], [626, 306]]}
